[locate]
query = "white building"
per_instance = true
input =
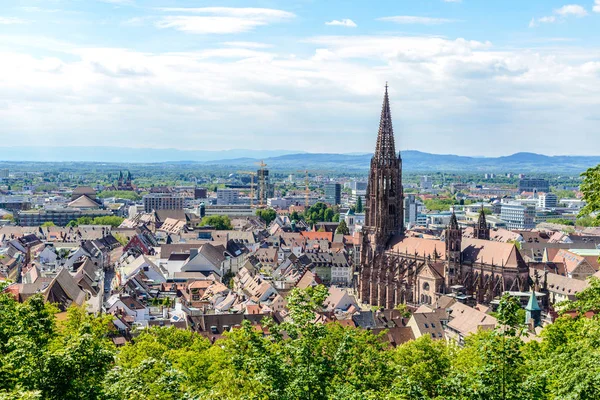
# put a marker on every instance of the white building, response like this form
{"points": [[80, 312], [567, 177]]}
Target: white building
{"points": [[547, 200], [518, 216]]}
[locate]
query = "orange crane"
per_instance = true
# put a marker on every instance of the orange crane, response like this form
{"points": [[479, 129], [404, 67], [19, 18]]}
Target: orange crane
{"points": [[261, 182], [307, 190], [252, 175]]}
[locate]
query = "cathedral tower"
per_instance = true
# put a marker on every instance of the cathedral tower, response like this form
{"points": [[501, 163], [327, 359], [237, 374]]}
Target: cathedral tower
{"points": [[384, 214]]}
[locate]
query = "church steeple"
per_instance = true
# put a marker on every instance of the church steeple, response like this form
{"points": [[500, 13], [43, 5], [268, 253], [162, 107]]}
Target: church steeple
{"points": [[482, 231], [384, 215], [453, 221], [385, 150]]}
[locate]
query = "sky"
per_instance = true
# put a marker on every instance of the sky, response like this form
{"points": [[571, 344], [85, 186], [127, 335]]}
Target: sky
{"points": [[468, 77]]}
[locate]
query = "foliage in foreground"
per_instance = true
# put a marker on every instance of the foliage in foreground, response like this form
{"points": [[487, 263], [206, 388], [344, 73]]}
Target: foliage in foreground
{"points": [[41, 358]]}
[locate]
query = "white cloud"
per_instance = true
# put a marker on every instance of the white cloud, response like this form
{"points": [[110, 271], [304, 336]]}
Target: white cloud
{"points": [[563, 12], [544, 20], [242, 12], [249, 45], [39, 10], [444, 94], [571, 9], [220, 20], [408, 19], [348, 23], [118, 2], [11, 21], [597, 6]]}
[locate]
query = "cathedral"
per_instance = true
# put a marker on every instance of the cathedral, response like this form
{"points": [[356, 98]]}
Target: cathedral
{"points": [[396, 268]]}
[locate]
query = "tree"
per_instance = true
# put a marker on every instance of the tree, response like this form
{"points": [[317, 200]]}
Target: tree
{"points": [[421, 369], [294, 216], [359, 205], [268, 215], [121, 194], [219, 222], [590, 187], [48, 224], [560, 221], [342, 228], [586, 300]]}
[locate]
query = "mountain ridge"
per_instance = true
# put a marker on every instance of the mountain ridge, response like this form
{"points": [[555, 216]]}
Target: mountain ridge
{"points": [[413, 160]]}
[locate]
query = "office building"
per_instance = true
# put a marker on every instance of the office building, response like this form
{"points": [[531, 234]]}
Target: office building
{"points": [[58, 216], [333, 193], [548, 200], [227, 196], [518, 216], [162, 201], [533, 185], [410, 210], [426, 183]]}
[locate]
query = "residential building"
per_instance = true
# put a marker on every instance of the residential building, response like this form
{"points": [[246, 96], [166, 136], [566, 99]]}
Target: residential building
{"points": [[162, 201], [333, 193], [518, 216]]}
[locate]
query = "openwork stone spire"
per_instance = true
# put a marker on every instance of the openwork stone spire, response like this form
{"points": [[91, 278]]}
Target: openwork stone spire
{"points": [[482, 231], [453, 221], [385, 150]]}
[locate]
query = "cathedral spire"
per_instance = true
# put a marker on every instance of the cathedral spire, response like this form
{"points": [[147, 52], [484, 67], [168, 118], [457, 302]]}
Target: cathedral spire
{"points": [[482, 231], [453, 221], [482, 222], [385, 150]]}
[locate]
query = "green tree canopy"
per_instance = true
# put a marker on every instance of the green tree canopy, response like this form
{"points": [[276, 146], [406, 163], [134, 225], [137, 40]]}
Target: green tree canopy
{"points": [[219, 222], [342, 228], [268, 215]]}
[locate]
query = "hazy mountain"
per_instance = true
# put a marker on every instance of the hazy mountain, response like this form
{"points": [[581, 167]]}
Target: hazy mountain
{"points": [[419, 161], [125, 154], [292, 160]]}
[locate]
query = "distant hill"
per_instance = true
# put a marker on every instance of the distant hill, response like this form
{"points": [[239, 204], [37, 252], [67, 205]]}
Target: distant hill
{"points": [[419, 161], [126, 154], [415, 161]]}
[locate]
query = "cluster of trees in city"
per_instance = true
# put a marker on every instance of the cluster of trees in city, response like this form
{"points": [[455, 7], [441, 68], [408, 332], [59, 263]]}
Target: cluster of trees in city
{"points": [[319, 212], [111, 220], [120, 194], [219, 222], [43, 356]]}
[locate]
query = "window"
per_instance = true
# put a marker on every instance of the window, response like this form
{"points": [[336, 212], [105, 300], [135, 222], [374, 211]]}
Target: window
{"points": [[433, 335], [426, 326], [432, 325], [426, 286]]}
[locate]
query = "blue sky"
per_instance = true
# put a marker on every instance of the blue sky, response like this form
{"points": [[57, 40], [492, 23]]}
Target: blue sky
{"points": [[472, 77]]}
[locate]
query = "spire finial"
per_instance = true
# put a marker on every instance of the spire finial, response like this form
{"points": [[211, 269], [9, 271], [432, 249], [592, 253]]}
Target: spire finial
{"points": [[386, 86]]}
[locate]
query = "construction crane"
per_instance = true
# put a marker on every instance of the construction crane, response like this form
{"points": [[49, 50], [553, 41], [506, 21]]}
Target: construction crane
{"points": [[307, 190], [261, 183], [252, 175]]}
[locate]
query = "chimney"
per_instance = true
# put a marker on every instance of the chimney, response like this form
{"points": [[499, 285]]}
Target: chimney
{"points": [[193, 253]]}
